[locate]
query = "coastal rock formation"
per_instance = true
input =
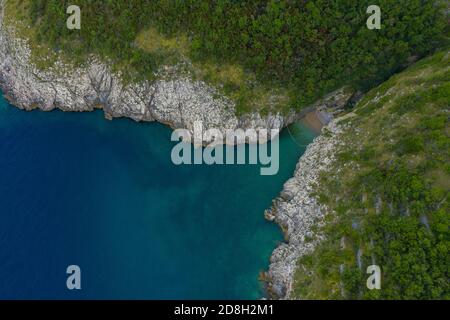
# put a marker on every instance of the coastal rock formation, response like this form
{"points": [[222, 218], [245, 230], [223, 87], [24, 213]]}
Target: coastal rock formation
{"points": [[175, 100], [297, 211]]}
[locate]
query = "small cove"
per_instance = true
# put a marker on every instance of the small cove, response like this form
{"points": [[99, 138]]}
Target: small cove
{"points": [[104, 195]]}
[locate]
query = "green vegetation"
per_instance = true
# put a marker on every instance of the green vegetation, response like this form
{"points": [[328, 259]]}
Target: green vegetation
{"points": [[393, 180], [274, 54]]}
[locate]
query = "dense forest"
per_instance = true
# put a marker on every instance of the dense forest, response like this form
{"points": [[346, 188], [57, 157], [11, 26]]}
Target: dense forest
{"points": [[307, 48], [389, 189]]}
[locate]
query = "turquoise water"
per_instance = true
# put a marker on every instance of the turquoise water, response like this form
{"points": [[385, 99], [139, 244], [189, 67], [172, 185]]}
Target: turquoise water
{"points": [[104, 195]]}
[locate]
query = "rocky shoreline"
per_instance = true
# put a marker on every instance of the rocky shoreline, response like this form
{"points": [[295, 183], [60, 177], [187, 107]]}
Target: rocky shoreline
{"points": [[178, 101], [172, 99], [298, 211]]}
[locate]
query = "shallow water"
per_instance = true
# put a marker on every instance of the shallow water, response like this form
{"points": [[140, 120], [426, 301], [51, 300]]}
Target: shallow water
{"points": [[104, 195]]}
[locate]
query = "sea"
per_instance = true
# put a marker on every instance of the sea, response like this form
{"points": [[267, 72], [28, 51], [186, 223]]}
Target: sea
{"points": [[79, 190]]}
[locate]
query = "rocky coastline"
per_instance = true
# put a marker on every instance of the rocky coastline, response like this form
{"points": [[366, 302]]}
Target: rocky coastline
{"points": [[179, 102], [298, 211], [172, 99]]}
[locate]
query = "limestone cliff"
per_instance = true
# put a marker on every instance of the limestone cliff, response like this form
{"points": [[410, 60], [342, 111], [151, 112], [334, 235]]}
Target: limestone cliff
{"points": [[175, 100]]}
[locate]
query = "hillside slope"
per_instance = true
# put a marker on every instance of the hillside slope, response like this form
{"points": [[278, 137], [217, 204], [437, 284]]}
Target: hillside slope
{"points": [[386, 194]]}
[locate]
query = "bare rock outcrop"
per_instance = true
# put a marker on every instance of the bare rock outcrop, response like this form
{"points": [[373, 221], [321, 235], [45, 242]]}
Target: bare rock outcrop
{"points": [[298, 211], [173, 99]]}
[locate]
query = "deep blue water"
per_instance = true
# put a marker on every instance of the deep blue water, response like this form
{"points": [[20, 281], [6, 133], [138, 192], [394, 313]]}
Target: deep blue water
{"points": [[104, 195]]}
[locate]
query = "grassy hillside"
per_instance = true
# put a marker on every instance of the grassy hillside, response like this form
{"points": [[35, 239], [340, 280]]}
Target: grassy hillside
{"points": [[265, 54], [390, 191]]}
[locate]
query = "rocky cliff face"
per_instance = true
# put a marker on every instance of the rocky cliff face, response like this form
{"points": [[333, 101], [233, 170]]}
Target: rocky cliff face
{"points": [[175, 100], [172, 99]]}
